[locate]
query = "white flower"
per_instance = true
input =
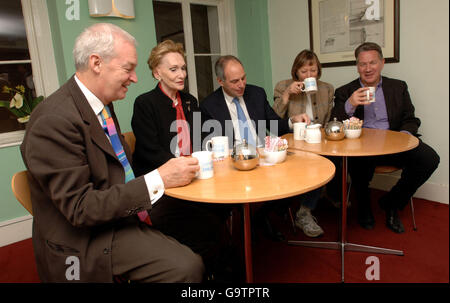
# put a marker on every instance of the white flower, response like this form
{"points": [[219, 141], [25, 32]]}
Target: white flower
{"points": [[16, 101], [23, 119]]}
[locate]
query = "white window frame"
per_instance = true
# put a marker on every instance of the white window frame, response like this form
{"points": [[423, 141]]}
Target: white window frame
{"points": [[40, 46], [227, 32]]}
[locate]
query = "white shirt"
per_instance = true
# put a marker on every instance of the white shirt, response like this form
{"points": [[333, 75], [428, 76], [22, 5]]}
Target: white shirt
{"points": [[309, 110], [234, 117], [155, 185]]}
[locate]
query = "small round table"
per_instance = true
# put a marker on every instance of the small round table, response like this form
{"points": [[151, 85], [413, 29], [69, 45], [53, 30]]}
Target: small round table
{"points": [[300, 173], [372, 142]]}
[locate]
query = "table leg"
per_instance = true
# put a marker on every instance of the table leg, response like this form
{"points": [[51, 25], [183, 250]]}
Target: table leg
{"points": [[343, 216], [248, 244], [342, 244]]}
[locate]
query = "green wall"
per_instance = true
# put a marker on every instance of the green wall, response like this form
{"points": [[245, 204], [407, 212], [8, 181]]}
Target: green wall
{"points": [[252, 26], [64, 33], [10, 163]]}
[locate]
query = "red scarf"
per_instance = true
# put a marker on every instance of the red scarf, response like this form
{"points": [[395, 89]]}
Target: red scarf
{"points": [[183, 137]]}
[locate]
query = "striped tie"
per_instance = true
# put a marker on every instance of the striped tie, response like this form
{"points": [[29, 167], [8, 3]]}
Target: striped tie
{"points": [[111, 132]]}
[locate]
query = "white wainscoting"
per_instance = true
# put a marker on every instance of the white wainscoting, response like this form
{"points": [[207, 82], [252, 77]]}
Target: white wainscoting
{"points": [[428, 191], [15, 230]]}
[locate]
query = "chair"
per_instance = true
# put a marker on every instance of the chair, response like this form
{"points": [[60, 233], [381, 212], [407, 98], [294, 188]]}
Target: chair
{"points": [[130, 139], [388, 170], [21, 190], [383, 170]]}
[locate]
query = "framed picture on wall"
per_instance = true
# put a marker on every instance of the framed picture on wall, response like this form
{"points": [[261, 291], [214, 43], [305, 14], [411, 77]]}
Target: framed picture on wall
{"points": [[337, 27]]}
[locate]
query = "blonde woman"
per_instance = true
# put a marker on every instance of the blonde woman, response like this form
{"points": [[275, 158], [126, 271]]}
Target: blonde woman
{"points": [[200, 226], [155, 111]]}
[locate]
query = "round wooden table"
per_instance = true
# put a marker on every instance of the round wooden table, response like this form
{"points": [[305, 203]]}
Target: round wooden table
{"points": [[372, 142], [300, 173]]}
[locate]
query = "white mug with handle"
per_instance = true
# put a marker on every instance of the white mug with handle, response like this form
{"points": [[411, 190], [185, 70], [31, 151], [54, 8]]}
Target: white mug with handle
{"points": [[370, 94], [309, 85], [206, 164], [219, 147]]}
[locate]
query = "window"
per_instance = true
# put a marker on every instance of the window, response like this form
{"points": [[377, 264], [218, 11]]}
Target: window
{"points": [[15, 63], [24, 58], [205, 29]]}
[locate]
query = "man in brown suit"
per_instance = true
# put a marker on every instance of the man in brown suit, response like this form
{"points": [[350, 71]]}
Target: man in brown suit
{"points": [[85, 225]]}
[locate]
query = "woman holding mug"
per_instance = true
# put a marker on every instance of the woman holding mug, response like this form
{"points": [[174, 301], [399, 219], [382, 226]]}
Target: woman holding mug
{"points": [[161, 124], [291, 98]]}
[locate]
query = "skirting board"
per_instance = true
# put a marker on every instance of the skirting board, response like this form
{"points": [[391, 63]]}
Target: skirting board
{"points": [[428, 191], [15, 230]]}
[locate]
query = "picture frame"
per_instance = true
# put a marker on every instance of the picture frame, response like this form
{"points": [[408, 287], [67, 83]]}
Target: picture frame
{"points": [[337, 27]]}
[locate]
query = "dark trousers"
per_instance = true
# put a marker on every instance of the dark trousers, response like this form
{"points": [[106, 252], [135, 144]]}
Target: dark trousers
{"points": [[417, 166]]}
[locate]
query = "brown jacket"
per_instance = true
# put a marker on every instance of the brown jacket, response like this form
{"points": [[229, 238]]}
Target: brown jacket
{"points": [[322, 102], [77, 188]]}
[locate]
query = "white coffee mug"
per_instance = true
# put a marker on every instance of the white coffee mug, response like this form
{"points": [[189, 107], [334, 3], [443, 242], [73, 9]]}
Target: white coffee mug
{"points": [[371, 91], [219, 147], [309, 85], [205, 162], [299, 130], [313, 134]]}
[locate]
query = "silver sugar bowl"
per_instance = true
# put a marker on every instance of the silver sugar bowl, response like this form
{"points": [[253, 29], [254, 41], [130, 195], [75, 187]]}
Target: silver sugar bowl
{"points": [[334, 130], [244, 156]]}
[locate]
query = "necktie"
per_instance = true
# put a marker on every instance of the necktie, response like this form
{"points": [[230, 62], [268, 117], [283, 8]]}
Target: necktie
{"points": [[111, 132], [244, 126], [183, 137]]}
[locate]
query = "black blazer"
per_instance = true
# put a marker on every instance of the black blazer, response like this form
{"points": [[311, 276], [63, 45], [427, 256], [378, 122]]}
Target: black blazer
{"points": [[399, 107], [152, 116], [214, 107]]}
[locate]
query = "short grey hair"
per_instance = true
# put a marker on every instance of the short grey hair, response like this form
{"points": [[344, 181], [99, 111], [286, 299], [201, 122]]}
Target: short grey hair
{"points": [[98, 39], [220, 65]]}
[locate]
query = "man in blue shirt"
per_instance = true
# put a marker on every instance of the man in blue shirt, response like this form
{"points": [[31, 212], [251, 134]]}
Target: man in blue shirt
{"points": [[392, 110]]}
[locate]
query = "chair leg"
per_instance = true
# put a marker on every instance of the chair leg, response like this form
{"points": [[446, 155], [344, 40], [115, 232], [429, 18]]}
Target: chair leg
{"points": [[292, 220], [412, 213]]}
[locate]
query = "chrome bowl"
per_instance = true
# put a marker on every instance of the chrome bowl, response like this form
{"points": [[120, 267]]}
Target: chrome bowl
{"points": [[245, 156], [334, 130], [247, 162]]}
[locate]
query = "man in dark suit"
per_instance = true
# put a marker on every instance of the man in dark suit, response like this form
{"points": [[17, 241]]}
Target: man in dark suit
{"points": [[391, 110], [243, 112], [219, 106], [86, 226]]}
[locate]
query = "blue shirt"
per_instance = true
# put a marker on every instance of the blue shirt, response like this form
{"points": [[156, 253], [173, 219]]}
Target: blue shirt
{"points": [[375, 114]]}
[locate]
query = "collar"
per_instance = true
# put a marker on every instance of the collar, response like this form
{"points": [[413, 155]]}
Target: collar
{"points": [[229, 99], [174, 102], [95, 103], [378, 85]]}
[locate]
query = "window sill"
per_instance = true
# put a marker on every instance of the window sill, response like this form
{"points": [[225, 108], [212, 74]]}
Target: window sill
{"points": [[11, 138]]}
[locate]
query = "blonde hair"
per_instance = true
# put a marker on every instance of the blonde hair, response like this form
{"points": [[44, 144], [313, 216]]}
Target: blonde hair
{"points": [[162, 49]]}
